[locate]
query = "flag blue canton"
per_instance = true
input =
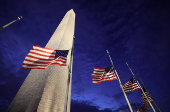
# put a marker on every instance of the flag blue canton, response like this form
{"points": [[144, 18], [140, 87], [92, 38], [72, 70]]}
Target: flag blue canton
{"points": [[109, 69], [62, 53], [133, 80], [144, 89]]}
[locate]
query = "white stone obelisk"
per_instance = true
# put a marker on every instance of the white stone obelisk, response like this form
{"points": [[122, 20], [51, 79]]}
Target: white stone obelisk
{"points": [[47, 90]]}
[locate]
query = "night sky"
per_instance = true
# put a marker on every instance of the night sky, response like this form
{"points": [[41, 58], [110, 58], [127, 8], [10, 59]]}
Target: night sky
{"points": [[134, 31]]}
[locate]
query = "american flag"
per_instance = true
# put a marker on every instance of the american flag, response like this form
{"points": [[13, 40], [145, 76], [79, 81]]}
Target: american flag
{"points": [[145, 101], [146, 104], [144, 108], [41, 58], [131, 86], [102, 75]]}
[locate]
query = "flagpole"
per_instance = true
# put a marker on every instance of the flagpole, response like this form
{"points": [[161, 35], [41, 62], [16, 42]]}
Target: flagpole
{"points": [[69, 76], [149, 93], [141, 88], [2, 27], [130, 107]]}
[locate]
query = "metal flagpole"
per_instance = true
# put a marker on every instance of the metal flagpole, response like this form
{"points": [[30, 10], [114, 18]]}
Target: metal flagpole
{"points": [[141, 88], [130, 107], [149, 94], [2, 27], [69, 76]]}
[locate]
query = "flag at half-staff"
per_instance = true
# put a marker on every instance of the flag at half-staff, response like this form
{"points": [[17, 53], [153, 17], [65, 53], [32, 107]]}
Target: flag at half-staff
{"points": [[143, 93], [130, 107], [41, 58], [145, 101], [131, 86], [146, 104], [150, 94], [100, 75]]}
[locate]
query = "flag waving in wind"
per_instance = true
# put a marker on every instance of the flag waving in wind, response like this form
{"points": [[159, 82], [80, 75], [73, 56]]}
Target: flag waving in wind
{"points": [[131, 86], [41, 58], [146, 104], [102, 75], [145, 101]]}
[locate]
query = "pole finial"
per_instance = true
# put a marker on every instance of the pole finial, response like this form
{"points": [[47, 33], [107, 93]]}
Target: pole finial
{"points": [[19, 17], [107, 51]]}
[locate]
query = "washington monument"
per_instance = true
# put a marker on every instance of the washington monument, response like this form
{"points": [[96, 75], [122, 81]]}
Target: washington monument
{"points": [[49, 90]]}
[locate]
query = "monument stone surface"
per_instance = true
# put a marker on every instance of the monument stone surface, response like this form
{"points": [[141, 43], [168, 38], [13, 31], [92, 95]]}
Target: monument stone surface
{"points": [[47, 90]]}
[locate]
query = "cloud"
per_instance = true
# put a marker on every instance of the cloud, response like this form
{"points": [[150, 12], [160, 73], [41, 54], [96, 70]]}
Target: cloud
{"points": [[132, 31], [125, 108], [118, 96], [88, 106]]}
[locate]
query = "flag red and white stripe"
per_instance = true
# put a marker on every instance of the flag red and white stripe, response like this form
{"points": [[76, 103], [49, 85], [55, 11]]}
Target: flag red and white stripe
{"points": [[131, 86], [146, 104], [41, 58], [100, 75], [145, 101]]}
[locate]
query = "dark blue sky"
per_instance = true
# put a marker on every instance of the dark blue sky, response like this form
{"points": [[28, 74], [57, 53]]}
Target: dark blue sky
{"points": [[134, 31]]}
